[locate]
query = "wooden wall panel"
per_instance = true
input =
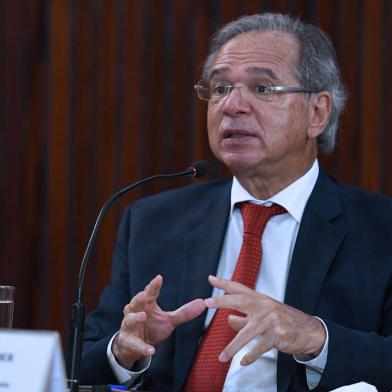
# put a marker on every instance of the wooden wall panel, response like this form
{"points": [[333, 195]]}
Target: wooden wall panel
{"points": [[350, 38], [386, 96], [82, 128], [13, 133], [370, 108], [95, 94], [57, 170]]}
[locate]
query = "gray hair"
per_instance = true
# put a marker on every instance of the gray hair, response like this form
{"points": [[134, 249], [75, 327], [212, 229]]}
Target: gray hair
{"points": [[317, 67]]}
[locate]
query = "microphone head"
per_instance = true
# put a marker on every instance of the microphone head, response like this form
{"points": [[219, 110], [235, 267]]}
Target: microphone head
{"points": [[199, 169]]}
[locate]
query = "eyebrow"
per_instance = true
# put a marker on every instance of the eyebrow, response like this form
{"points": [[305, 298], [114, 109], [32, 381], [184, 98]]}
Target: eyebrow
{"points": [[251, 70]]}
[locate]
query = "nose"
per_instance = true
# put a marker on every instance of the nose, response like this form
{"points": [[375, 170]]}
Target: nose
{"points": [[236, 103]]}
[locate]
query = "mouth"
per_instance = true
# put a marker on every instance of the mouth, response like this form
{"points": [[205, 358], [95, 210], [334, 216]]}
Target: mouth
{"points": [[232, 134]]}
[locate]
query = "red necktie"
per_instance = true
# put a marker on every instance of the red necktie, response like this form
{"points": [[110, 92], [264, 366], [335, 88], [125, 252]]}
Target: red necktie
{"points": [[207, 373]]}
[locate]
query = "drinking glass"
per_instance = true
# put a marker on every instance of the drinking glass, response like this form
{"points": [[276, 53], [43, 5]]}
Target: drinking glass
{"points": [[6, 306]]}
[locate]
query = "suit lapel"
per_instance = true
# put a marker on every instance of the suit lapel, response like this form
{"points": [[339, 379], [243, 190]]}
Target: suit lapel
{"points": [[318, 240], [203, 244]]}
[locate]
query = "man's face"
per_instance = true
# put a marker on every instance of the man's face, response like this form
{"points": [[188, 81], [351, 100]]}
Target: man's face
{"points": [[250, 135]]}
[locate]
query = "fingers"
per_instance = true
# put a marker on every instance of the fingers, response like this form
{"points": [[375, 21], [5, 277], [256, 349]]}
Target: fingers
{"points": [[262, 346], [255, 305], [236, 302], [229, 286], [137, 303], [132, 345], [154, 287], [132, 324], [236, 323], [150, 294], [129, 345], [280, 326], [243, 337], [187, 312]]}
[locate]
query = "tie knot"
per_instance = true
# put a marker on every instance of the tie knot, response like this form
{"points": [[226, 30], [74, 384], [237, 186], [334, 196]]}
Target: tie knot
{"points": [[255, 217]]}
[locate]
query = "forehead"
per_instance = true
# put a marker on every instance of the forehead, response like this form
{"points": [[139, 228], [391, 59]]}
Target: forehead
{"points": [[273, 53]]}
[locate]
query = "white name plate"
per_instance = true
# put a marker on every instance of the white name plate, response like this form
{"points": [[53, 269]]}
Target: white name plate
{"points": [[31, 361]]}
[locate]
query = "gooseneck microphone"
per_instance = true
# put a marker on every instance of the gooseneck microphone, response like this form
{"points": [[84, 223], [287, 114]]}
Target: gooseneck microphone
{"points": [[198, 169]]}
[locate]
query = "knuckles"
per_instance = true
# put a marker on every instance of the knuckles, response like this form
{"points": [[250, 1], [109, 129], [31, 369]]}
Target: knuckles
{"points": [[120, 340], [127, 309]]}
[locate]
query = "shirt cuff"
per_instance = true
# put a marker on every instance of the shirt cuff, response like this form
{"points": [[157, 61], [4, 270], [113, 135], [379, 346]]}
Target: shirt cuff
{"points": [[125, 376], [315, 365]]}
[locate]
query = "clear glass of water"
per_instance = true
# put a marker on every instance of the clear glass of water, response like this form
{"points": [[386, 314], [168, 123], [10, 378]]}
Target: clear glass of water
{"points": [[6, 306]]}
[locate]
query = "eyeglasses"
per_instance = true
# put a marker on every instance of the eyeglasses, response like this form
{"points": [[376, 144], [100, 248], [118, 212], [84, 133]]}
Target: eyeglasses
{"points": [[216, 91]]}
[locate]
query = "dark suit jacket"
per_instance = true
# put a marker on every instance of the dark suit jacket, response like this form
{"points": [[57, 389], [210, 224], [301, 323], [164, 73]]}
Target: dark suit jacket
{"points": [[341, 271]]}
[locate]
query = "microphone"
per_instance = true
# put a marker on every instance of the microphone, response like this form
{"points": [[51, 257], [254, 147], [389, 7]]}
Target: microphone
{"points": [[197, 170]]}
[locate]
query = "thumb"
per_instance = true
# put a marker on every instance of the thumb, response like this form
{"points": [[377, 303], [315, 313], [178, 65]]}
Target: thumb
{"points": [[187, 312]]}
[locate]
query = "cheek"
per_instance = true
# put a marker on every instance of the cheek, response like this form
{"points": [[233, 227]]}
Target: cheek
{"points": [[213, 121], [291, 121]]}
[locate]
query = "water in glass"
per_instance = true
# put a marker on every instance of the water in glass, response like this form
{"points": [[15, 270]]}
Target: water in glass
{"points": [[6, 313]]}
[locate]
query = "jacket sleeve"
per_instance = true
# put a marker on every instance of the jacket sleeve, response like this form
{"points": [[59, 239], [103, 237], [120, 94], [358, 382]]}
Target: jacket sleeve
{"points": [[355, 356], [105, 321]]}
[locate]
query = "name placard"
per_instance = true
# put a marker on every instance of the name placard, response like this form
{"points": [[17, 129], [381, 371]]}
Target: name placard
{"points": [[31, 361]]}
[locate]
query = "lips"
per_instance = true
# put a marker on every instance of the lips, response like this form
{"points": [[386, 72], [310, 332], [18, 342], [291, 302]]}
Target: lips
{"points": [[236, 134]]}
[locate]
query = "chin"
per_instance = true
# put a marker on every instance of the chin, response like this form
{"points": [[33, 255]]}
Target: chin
{"points": [[239, 163]]}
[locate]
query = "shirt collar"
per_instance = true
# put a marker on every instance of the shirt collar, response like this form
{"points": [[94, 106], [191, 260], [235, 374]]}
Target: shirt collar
{"points": [[293, 198]]}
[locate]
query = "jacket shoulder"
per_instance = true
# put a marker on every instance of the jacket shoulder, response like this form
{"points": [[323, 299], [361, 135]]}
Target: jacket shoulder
{"points": [[195, 193], [363, 207]]}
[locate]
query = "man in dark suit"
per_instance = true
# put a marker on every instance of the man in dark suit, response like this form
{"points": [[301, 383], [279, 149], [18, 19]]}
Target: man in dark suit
{"points": [[319, 313]]}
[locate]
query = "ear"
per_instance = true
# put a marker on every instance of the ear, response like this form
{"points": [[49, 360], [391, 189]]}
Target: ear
{"points": [[320, 111]]}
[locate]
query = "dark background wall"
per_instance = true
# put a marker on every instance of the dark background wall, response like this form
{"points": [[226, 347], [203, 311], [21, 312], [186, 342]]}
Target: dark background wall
{"points": [[95, 94]]}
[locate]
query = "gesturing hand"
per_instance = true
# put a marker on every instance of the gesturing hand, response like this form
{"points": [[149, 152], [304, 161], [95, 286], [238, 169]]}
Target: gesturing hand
{"points": [[145, 324], [280, 326]]}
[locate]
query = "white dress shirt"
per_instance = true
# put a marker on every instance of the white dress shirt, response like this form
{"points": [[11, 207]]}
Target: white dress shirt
{"points": [[278, 242]]}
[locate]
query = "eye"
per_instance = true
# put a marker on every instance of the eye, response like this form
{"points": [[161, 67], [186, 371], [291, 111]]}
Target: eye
{"points": [[220, 89], [261, 89]]}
